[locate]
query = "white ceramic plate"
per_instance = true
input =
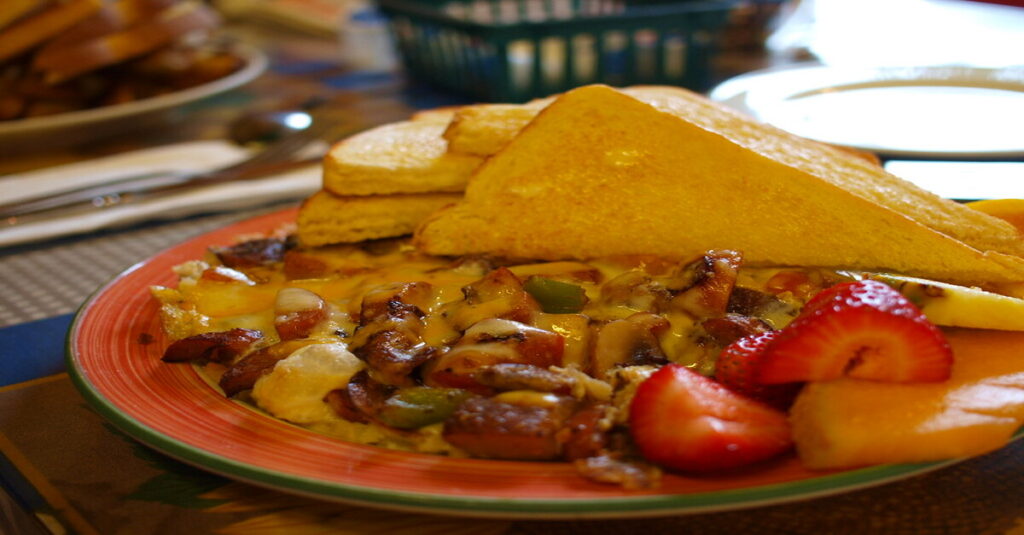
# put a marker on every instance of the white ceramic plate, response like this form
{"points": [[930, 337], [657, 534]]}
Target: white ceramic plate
{"points": [[254, 65], [912, 111]]}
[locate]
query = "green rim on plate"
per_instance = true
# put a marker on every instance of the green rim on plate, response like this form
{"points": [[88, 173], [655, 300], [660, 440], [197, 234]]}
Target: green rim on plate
{"points": [[172, 409]]}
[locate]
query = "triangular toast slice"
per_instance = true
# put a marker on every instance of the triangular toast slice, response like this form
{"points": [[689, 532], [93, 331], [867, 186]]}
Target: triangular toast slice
{"points": [[484, 129], [599, 173]]}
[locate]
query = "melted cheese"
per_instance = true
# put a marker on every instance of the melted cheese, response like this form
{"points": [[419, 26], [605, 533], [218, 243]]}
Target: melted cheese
{"points": [[294, 390], [211, 298]]}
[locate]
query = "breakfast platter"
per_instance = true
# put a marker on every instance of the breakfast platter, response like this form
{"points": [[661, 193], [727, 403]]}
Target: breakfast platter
{"points": [[606, 303], [176, 411]]}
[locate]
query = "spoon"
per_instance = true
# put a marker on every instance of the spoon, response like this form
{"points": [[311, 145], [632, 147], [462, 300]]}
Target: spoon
{"points": [[267, 126]]}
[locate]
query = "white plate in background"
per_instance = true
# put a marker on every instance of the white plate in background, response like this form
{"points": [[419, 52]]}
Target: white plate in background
{"points": [[963, 181], [900, 111]]}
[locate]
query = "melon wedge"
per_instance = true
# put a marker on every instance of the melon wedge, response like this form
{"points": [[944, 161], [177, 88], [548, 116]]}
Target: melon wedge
{"points": [[849, 423], [1011, 210]]}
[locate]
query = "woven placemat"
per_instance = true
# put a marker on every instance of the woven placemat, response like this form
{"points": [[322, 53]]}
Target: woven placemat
{"points": [[45, 280]]}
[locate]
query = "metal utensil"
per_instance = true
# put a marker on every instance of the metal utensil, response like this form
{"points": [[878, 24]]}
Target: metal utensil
{"points": [[152, 192], [329, 121], [277, 157], [283, 156]]}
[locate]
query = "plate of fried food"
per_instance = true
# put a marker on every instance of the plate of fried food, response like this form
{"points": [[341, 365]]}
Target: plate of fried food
{"points": [[80, 64], [607, 303]]}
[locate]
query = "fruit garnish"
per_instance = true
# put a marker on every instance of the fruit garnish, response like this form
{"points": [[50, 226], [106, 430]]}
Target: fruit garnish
{"points": [[849, 423], [686, 421], [737, 368], [1010, 210], [863, 329], [951, 305]]}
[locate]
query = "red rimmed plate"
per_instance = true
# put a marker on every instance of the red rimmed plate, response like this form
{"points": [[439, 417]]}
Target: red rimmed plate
{"points": [[114, 350]]}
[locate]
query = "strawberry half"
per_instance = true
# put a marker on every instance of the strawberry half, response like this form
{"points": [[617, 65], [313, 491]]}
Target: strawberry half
{"points": [[737, 368], [685, 421], [863, 329]]}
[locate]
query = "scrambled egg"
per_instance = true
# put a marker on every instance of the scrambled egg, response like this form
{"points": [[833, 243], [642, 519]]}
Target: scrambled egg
{"points": [[294, 391], [296, 387]]}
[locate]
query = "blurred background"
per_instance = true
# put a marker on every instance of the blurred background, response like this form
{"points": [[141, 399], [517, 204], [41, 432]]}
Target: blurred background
{"points": [[104, 95], [935, 79], [456, 51], [512, 50]]}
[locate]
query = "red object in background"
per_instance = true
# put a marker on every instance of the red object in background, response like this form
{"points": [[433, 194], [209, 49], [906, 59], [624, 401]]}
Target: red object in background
{"points": [[1014, 3]]}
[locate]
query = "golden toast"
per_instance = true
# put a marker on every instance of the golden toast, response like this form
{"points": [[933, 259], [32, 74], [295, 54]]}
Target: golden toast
{"points": [[477, 130], [381, 183], [326, 219], [599, 173], [403, 157], [484, 129]]}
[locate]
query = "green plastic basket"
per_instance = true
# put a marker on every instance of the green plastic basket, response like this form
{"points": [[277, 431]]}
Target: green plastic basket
{"points": [[514, 50]]}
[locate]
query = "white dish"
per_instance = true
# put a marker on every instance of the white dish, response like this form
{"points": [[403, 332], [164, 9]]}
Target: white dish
{"points": [[911, 111], [255, 62]]}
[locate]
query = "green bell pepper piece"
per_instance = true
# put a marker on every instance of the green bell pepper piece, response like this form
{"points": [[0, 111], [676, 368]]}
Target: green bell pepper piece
{"points": [[556, 297], [418, 406]]}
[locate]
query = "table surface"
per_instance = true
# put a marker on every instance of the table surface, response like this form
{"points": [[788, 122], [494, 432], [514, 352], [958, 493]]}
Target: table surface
{"points": [[65, 470]]}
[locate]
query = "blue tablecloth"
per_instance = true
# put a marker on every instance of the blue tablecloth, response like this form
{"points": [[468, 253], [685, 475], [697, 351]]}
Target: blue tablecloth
{"points": [[32, 350]]}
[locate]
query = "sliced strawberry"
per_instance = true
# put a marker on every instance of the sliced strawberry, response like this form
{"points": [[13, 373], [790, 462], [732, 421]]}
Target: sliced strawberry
{"points": [[683, 420], [737, 368], [862, 329]]}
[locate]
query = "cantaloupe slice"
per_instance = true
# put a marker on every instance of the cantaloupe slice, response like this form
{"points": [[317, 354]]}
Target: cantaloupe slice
{"points": [[1010, 210], [849, 423]]}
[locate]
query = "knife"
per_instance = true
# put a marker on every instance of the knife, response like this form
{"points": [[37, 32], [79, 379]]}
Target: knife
{"points": [[146, 187]]}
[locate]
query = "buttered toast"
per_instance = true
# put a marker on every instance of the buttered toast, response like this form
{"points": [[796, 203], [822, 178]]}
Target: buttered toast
{"points": [[326, 219], [599, 173], [477, 130], [404, 157], [382, 182]]}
